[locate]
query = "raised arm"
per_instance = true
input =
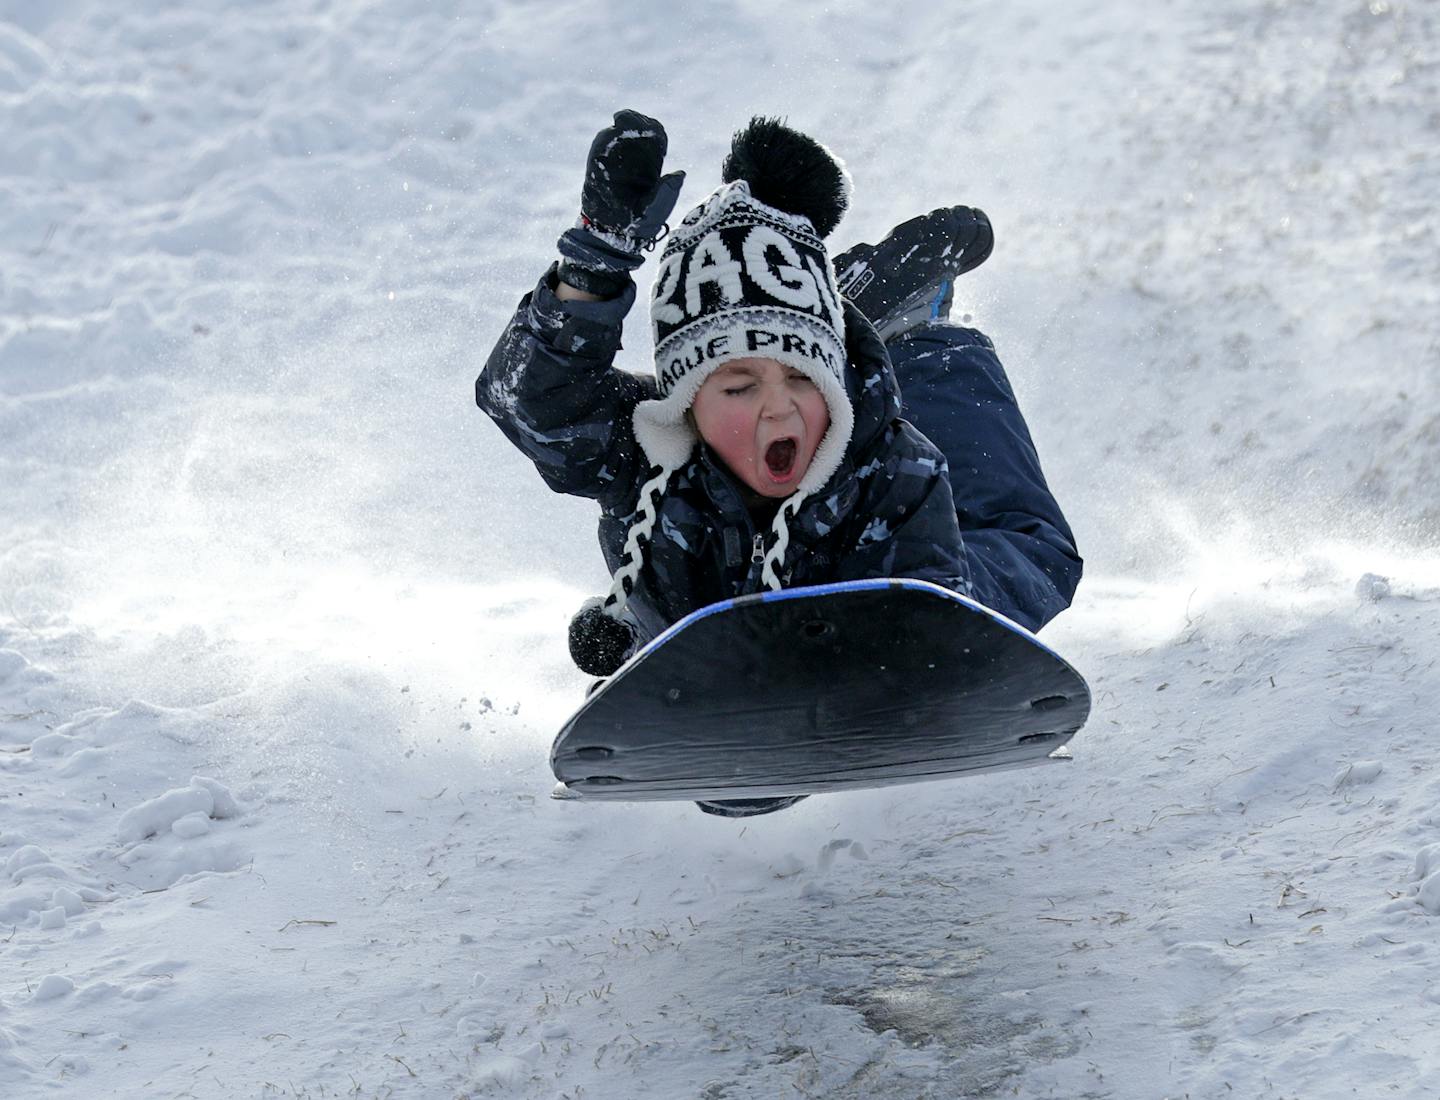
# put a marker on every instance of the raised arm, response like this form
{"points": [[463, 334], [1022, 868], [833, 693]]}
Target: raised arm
{"points": [[550, 383], [550, 386]]}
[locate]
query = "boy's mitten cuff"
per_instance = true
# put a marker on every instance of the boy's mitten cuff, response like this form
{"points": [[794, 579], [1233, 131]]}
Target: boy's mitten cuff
{"points": [[587, 248], [603, 284], [590, 262]]}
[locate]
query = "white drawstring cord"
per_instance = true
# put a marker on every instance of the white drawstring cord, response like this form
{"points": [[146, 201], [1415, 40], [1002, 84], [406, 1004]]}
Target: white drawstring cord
{"points": [[782, 540], [629, 571]]}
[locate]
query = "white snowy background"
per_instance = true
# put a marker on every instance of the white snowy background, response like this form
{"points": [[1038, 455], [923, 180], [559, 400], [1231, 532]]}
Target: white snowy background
{"points": [[282, 616]]}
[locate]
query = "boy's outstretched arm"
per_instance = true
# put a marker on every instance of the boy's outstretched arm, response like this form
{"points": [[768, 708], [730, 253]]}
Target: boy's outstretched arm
{"points": [[549, 383], [551, 387]]}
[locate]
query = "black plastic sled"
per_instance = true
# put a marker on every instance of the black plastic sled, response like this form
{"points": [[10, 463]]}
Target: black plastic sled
{"points": [[830, 688]]}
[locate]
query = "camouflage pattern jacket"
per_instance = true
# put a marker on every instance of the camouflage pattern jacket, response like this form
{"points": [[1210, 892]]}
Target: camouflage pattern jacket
{"points": [[887, 511]]}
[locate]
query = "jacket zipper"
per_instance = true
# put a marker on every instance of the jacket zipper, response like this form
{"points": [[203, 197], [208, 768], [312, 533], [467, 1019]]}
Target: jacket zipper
{"points": [[751, 583]]}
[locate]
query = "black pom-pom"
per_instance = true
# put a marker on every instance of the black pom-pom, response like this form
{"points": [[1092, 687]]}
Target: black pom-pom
{"points": [[599, 644], [789, 171]]}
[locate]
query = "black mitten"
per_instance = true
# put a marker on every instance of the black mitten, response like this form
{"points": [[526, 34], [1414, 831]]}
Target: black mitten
{"points": [[623, 205]]}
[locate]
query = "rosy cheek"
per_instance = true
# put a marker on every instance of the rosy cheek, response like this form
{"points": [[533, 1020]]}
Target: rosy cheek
{"points": [[819, 417]]}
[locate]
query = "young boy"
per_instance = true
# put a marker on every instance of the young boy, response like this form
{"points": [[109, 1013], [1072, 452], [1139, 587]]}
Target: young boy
{"points": [[772, 448]]}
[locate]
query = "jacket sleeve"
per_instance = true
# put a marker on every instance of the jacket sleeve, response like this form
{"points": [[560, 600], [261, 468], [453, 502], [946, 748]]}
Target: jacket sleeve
{"points": [[905, 519], [551, 386]]}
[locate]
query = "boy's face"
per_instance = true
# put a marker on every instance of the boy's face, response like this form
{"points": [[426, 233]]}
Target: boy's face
{"points": [[765, 421]]}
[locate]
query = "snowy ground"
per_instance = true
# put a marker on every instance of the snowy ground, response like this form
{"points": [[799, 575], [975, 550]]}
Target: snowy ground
{"points": [[253, 531]]}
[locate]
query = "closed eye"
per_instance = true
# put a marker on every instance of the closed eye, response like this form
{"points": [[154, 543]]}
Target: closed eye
{"points": [[736, 391]]}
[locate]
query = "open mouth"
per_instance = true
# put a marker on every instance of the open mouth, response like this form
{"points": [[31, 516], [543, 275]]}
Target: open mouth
{"points": [[780, 458]]}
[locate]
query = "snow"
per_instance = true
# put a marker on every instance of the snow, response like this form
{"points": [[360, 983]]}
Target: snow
{"points": [[52, 985], [163, 812], [282, 615]]}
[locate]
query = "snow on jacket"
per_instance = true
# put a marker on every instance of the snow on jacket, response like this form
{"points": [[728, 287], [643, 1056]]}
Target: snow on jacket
{"points": [[887, 511]]}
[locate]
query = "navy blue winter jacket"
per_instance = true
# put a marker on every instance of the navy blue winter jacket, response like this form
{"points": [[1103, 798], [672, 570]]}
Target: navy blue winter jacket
{"points": [[887, 511]]}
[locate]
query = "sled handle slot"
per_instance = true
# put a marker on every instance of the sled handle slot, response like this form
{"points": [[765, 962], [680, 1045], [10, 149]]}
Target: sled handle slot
{"points": [[1049, 702], [1032, 738], [817, 630]]}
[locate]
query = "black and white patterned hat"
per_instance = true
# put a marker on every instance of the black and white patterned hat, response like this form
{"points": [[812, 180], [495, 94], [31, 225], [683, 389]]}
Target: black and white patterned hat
{"points": [[744, 277]]}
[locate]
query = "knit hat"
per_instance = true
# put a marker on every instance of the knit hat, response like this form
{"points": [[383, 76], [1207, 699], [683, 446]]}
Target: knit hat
{"points": [[745, 275], [741, 278]]}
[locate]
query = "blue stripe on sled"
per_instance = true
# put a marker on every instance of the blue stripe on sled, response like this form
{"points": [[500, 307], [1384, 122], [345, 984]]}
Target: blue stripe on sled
{"points": [[869, 585]]}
